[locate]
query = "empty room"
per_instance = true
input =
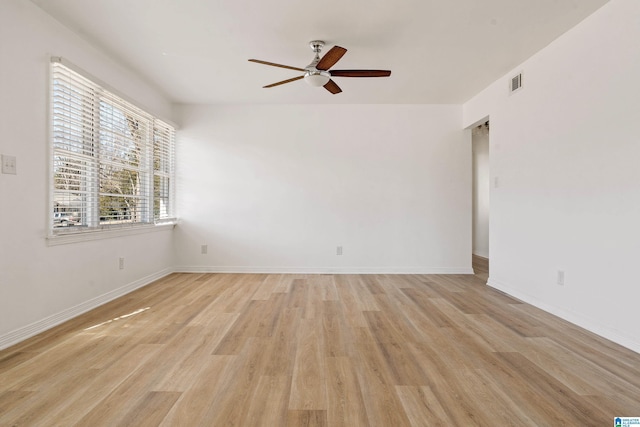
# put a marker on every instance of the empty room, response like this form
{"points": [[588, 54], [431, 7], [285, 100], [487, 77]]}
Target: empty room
{"points": [[413, 213]]}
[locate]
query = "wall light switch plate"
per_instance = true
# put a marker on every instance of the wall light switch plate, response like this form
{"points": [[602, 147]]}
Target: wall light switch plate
{"points": [[9, 164]]}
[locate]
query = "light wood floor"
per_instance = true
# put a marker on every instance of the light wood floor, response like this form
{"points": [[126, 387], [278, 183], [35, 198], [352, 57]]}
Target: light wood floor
{"points": [[334, 350]]}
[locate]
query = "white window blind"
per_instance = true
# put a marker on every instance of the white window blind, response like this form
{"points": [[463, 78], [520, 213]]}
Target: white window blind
{"points": [[112, 162]]}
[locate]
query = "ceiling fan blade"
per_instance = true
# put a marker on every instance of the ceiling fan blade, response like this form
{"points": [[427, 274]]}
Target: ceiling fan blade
{"points": [[330, 58], [332, 87], [276, 65], [360, 73], [283, 82]]}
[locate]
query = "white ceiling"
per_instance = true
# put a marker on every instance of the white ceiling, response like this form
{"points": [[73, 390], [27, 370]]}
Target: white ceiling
{"points": [[439, 51]]}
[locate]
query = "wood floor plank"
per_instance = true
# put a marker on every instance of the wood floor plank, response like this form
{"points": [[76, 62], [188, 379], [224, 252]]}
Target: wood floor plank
{"points": [[280, 350], [475, 350], [308, 418], [315, 296], [329, 290], [270, 402], [85, 396], [284, 283], [362, 294], [330, 350], [237, 387], [447, 383], [12, 399], [376, 382], [192, 406], [345, 402], [246, 326], [266, 288], [308, 385], [424, 312], [234, 298], [181, 374], [568, 368], [37, 372], [619, 362], [298, 295], [371, 282], [422, 407], [151, 410], [126, 395], [336, 337], [38, 410], [493, 402], [521, 397], [350, 303], [573, 406], [446, 284], [11, 360], [495, 336], [401, 365], [397, 323], [529, 383]]}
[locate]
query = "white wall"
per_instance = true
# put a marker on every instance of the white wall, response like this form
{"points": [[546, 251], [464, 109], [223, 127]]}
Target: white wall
{"points": [[567, 154], [481, 190], [41, 285], [279, 187]]}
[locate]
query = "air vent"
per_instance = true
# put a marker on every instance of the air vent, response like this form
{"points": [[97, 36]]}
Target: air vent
{"points": [[516, 83]]}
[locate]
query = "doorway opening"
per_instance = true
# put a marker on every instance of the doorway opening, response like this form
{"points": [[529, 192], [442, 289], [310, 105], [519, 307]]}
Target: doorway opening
{"points": [[481, 189]]}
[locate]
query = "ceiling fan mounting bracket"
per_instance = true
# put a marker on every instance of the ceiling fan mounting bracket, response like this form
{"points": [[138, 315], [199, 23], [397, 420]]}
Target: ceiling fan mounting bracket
{"points": [[316, 46]]}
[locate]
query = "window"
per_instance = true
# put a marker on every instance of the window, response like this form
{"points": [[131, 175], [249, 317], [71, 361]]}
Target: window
{"points": [[112, 162]]}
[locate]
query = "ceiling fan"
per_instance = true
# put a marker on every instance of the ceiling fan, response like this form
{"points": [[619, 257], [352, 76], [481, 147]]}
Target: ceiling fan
{"points": [[317, 73]]}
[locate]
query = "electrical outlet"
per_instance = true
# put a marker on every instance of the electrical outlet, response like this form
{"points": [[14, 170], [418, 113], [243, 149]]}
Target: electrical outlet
{"points": [[121, 263], [560, 277], [339, 250], [8, 164], [204, 249]]}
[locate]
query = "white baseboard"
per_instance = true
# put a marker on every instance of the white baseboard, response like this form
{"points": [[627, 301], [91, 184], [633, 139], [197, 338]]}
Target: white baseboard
{"points": [[569, 316], [35, 328], [322, 270]]}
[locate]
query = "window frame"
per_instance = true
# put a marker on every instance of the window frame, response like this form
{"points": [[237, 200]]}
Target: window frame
{"points": [[92, 226]]}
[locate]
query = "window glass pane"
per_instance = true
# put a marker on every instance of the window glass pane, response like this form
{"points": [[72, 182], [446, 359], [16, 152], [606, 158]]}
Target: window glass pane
{"points": [[122, 136], [69, 173], [72, 118], [163, 169], [68, 209], [160, 197], [112, 162], [119, 209]]}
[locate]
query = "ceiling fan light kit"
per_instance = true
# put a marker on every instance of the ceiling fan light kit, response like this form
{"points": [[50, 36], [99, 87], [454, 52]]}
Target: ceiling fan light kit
{"points": [[317, 73], [317, 78]]}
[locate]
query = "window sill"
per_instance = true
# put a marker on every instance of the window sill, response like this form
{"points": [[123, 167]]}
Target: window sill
{"points": [[84, 236]]}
